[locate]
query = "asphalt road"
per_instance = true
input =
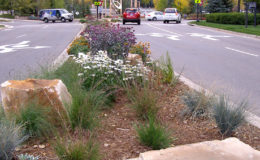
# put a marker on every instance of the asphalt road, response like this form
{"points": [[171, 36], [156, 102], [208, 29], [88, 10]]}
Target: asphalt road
{"points": [[26, 46], [219, 61]]}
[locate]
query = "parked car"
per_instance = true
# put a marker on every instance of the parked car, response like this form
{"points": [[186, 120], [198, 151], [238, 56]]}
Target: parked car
{"points": [[131, 15], [154, 16], [171, 14], [53, 15]]}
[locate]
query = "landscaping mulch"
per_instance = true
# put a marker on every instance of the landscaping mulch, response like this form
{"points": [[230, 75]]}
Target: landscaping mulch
{"points": [[118, 139]]}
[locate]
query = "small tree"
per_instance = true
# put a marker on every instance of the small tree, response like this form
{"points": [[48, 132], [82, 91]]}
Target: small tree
{"points": [[219, 6]]}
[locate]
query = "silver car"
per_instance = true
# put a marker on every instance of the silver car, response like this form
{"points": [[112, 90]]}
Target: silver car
{"points": [[53, 15]]}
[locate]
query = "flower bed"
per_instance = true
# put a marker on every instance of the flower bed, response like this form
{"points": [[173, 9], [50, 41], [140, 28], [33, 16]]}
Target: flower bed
{"points": [[148, 100]]}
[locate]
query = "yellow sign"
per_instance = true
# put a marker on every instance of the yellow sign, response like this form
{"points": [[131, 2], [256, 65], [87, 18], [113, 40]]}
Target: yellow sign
{"points": [[197, 1], [97, 3]]}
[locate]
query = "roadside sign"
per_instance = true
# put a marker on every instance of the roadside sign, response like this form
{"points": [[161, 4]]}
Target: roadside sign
{"points": [[197, 1], [252, 5], [98, 3]]}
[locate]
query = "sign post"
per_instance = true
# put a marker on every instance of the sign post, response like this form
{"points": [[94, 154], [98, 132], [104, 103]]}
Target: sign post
{"points": [[252, 6], [98, 3], [197, 3]]}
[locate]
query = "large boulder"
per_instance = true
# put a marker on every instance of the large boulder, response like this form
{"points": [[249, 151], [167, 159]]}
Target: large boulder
{"points": [[228, 149], [45, 93]]}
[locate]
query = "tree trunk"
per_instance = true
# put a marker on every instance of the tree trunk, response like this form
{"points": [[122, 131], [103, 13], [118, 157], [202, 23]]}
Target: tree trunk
{"points": [[238, 5]]}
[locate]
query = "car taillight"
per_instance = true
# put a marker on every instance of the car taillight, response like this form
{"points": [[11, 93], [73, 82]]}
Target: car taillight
{"points": [[163, 13], [149, 15], [124, 14], [176, 13]]}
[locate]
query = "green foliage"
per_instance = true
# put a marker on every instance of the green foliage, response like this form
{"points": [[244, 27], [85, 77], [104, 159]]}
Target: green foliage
{"points": [[144, 101], [7, 16], [11, 136], [58, 4], [198, 104], [82, 20], [219, 6], [232, 27], [142, 49], [79, 45], [227, 116], [27, 157], [160, 5], [85, 106], [166, 67], [77, 150], [154, 135], [35, 121], [231, 18]]}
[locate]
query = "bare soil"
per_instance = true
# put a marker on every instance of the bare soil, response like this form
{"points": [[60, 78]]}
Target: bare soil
{"points": [[118, 139]]}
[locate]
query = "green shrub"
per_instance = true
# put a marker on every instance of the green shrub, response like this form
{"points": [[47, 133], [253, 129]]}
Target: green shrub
{"points": [[144, 101], [154, 135], [35, 121], [79, 45], [77, 150], [11, 136], [27, 157], [85, 106], [198, 104], [7, 16], [82, 20], [166, 67], [231, 18], [228, 117]]}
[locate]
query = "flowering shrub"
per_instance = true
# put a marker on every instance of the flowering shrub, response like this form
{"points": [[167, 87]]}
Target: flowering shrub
{"points": [[101, 70], [79, 45], [114, 39], [143, 49]]}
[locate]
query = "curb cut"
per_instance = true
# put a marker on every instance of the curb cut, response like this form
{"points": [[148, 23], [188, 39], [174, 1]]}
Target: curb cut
{"points": [[244, 35], [64, 55], [250, 117]]}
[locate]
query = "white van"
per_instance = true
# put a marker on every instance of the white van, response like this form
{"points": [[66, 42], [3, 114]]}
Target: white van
{"points": [[53, 15]]}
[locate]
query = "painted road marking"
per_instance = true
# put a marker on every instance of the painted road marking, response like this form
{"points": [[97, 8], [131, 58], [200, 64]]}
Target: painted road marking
{"points": [[207, 36], [160, 35], [164, 30], [18, 46], [21, 36], [250, 54]]}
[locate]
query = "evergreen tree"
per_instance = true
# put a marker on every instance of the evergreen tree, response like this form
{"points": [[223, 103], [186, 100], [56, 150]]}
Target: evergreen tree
{"points": [[219, 6]]}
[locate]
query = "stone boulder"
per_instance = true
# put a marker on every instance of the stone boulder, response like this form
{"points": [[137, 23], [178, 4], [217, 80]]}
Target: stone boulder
{"points": [[134, 58], [228, 149], [45, 93]]}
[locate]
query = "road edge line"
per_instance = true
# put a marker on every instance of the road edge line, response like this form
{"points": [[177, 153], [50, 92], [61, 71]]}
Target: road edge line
{"points": [[244, 35], [64, 55], [250, 117]]}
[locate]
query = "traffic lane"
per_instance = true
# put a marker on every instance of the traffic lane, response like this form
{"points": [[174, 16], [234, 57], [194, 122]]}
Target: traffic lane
{"points": [[51, 41], [209, 65], [243, 44]]}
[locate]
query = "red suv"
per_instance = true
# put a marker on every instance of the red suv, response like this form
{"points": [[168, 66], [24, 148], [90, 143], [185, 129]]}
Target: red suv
{"points": [[131, 15]]}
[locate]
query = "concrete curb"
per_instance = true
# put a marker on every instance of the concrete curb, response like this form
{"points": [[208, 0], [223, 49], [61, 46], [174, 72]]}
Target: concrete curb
{"points": [[227, 31], [64, 55], [250, 117]]}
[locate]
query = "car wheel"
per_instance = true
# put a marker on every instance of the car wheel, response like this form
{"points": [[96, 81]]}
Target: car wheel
{"points": [[139, 22], [71, 20], [154, 19], [46, 20], [168, 21], [123, 22], [63, 19], [164, 21], [53, 21]]}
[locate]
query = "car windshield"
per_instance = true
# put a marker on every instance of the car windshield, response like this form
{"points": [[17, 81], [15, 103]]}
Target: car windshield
{"points": [[131, 10], [64, 11], [170, 10]]}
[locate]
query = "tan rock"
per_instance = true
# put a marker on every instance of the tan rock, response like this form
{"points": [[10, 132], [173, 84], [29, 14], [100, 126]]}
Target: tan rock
{"points": [[228, 149], [45, 93], [134, 58]]}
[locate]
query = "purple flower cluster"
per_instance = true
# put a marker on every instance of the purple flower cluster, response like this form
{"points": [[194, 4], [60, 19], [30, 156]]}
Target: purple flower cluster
{"points": [[114, 39]]}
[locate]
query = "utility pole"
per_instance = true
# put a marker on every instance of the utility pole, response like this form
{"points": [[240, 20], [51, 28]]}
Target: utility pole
{"points": [[246, 18]]}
